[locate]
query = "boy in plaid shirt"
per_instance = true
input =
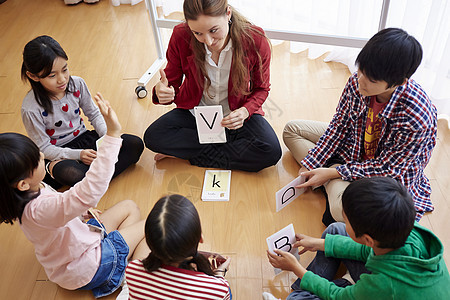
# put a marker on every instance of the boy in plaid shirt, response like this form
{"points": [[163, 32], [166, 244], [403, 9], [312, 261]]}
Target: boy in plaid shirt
{"points": [[384, 125]]}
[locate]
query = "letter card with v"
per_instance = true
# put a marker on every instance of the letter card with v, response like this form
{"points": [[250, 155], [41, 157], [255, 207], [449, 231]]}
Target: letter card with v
{"points": [[283, 240], [289, 193], [209, 129]]}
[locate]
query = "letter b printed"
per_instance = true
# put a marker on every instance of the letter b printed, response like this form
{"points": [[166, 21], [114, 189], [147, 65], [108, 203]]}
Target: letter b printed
{"points": [[279, 243]]}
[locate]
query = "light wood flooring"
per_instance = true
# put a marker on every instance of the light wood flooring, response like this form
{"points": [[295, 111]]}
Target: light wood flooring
{"points": [[111, 47]]}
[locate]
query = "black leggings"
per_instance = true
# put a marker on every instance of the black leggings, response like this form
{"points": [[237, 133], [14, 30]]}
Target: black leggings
{"points": [[69, 171], [251, 148]]}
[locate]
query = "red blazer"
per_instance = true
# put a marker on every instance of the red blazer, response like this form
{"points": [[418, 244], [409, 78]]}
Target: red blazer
{"points": [[181, 73]]}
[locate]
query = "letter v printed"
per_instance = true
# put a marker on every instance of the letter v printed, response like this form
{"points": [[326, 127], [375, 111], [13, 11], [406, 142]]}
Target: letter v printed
{"points": [[209, 128]]}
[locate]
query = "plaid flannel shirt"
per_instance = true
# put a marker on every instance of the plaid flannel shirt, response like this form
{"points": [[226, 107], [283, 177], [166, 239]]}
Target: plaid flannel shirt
{"points": [[408, 136]]}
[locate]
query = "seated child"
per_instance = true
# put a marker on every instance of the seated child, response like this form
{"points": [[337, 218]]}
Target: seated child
{"points": [[51, 114], [384, 125], [387, 254], [174, 269], [73, 255]]}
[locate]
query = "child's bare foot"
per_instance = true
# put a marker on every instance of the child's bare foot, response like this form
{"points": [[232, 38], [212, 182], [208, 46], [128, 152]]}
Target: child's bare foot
{"points": [[160, 156]]}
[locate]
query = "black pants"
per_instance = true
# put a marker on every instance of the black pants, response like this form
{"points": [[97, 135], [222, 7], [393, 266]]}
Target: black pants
{"points": [[69, 172], [252, 147]]}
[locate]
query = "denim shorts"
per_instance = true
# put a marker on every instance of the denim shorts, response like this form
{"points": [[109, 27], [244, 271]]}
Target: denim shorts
{"points": [[113, 262]]}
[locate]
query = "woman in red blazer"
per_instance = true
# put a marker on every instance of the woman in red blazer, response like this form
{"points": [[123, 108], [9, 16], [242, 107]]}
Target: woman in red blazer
{"points": [[215, 58]]}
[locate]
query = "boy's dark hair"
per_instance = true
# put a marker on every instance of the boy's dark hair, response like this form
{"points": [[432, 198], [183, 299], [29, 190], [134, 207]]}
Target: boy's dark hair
{"points": [[172, 232], [380, 207], [391, 55], [19, 157], [38, 57]]}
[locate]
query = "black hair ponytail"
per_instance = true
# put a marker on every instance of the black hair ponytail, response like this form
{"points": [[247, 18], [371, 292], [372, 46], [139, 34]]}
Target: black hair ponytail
{"points": [[151, 262], [202, 264], [173, 232]]}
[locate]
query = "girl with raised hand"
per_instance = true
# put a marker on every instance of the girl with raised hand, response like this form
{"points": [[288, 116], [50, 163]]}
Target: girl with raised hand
{"points": [[74, 254], [175, 269], [51, 114]]}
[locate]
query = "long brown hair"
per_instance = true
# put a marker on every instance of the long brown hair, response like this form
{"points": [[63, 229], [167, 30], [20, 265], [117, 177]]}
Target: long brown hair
{"points": [[240, 32]]}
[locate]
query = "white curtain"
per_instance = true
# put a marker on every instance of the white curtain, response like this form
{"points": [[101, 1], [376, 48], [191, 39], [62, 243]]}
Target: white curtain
{"points": [[427, 20]]}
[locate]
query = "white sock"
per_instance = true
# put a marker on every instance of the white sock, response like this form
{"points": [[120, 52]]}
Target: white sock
{"points": [[124, 293], [269, 296], [348, 277]]}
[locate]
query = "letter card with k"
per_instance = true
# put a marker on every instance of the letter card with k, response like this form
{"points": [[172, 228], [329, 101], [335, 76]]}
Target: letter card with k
{"points": [[216, 186]]}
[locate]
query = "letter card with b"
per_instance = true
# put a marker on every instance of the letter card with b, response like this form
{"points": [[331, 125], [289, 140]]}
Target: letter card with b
{"points": [[283, 240]]}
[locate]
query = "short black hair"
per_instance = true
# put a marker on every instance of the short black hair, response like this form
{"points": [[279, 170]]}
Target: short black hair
{"points": [[391, 55], [380, 207]]}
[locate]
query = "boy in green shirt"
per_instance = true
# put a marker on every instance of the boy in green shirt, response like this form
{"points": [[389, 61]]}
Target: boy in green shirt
{"points": [[387, 254]]}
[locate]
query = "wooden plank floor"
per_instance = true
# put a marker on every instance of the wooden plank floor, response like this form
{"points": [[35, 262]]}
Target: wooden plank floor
{"points": [[111, 47]]}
